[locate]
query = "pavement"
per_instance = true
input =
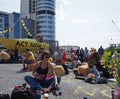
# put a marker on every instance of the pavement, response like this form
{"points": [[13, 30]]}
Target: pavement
{"points": [[10, 75]]}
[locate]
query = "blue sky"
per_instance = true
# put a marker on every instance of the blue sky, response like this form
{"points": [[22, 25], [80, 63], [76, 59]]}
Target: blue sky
{"points": [[82, 22]]}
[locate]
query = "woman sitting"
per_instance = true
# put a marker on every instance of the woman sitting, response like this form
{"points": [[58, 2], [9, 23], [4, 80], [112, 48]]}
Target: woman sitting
{"points": [[94, 75], [44, 75]]}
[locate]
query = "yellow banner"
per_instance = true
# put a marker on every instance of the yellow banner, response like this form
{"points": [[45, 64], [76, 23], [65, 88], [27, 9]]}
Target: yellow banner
{"points": [[22, 44]]}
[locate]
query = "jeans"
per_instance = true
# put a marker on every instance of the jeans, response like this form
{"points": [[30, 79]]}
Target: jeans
{"points": [[96, 73], [33, 82]]}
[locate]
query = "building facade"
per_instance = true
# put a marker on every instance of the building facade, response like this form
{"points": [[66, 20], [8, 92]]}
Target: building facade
{"points": [[14, 31], [9, 25], [4, 24], [45, 18], [43, 12], [27, 28], [28, 9]]}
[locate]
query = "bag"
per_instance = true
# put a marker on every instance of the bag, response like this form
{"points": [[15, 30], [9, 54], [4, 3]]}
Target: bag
{"points": [[83, 70], [4, 96], [59, 70], [21, 92]]}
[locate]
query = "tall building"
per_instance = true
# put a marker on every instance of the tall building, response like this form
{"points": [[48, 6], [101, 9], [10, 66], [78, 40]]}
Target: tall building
{"points": [[43, 12], [14, 31], [28, 9], [27, 27], [9, 25], [4, 24]]}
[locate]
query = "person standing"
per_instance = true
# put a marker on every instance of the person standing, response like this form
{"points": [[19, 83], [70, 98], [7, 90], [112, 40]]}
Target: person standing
{"points": [[78, 53], [101, 51], [16, 54], [82, 54], [86, 53], [72, 51], [11, 53], [59, 59], [64, 56]]}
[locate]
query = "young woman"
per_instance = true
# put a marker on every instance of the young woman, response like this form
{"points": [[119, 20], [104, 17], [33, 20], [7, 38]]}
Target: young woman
{"points": [[43, 74]]}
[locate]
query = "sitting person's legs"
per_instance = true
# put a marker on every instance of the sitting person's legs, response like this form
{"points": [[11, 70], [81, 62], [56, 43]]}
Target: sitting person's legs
{"points": [[26, 62], [33, 82], [44, 84], [51, 82]]}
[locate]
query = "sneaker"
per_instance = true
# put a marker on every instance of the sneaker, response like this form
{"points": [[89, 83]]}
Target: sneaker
{"points": [[93, 82]]}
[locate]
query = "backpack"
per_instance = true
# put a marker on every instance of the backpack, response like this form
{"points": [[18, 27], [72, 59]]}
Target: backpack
{"points": [[22, 92]]}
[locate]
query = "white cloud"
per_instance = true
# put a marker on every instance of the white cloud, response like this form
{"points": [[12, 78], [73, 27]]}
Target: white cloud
{"points": [[80, 21], [84, 1], [65, 2], [60, 9], [60, 14]]}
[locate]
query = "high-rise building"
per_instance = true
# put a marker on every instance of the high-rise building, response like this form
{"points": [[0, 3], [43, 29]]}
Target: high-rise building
{"points": [[14, 25], [43, 12], [28, 9], [4, 24], [27, 28], [9, 25]]}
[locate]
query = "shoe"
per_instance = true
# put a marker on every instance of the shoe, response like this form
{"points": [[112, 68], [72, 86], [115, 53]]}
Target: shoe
{"points": [[93, 82], [55, 88]]}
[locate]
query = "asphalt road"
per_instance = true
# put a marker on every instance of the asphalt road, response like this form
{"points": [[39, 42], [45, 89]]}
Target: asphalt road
{"points": [[10, 75]]}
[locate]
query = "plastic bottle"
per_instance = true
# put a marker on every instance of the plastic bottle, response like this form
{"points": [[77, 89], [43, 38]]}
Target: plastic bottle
{"points": [[38, 92], [46, 95]]}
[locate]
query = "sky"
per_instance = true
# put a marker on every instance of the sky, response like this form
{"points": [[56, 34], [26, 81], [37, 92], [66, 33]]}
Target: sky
{"points": [[84, 23]]}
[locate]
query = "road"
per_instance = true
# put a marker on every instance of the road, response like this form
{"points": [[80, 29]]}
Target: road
{"points": [[72, 88]]}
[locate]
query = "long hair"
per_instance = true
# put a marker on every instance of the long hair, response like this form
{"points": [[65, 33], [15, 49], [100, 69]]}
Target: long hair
{"points": [[44, 53]]}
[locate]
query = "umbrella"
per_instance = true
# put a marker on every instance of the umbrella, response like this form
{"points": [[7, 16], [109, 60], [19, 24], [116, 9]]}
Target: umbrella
{"points": [[4, 55]]}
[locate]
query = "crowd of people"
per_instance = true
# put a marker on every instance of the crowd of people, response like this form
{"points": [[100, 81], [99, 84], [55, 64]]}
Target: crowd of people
{"points": [[92, 57], [10, 56], [44, 73]]}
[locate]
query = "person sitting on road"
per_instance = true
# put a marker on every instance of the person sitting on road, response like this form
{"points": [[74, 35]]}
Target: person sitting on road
{"points": [[73, 59], [94, 75], [94, 58], [44, 75], [77, 62], [29, 59]]}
